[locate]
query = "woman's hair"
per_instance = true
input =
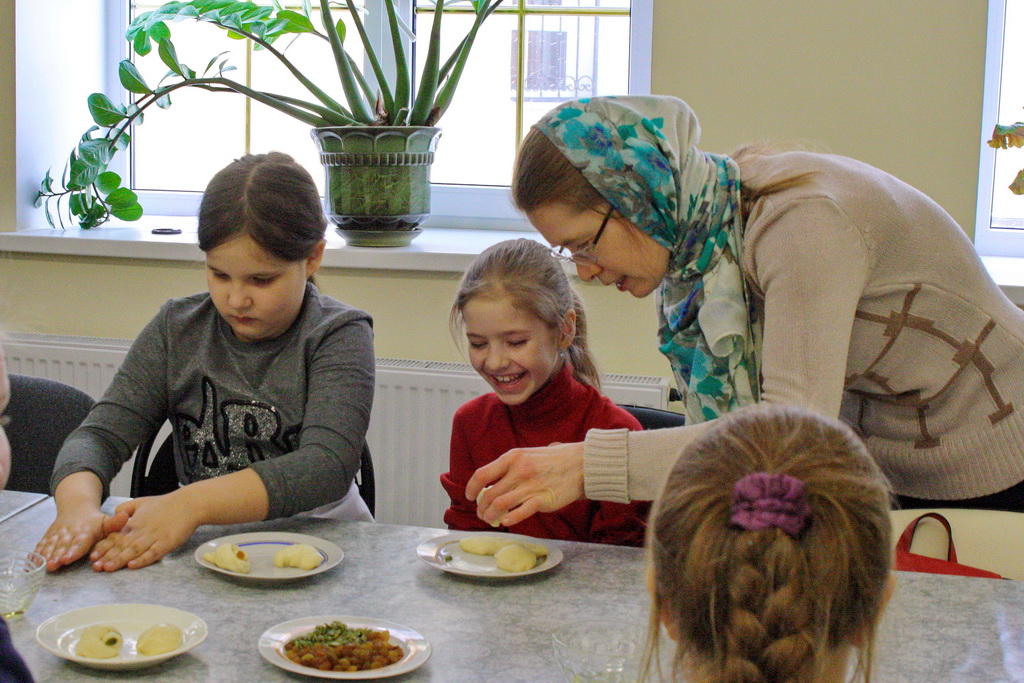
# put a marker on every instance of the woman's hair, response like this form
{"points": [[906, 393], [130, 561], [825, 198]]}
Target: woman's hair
{"points": [[269, 197], [764, 605], [542, 174], [525, 271]]}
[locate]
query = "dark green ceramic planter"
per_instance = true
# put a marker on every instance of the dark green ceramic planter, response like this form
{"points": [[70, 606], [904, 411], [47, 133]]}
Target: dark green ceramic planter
{"points": [[377, 186]]}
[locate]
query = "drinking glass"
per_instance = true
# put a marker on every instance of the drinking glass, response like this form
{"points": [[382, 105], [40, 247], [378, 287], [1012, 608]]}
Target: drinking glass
{"points": [[599, 651], [21, 574]]}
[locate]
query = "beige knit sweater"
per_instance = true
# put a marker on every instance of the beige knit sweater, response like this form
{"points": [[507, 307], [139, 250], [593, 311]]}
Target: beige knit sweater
{"points": [[877, 310]]}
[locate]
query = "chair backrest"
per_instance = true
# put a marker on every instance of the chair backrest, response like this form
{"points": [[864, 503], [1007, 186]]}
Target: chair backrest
{"points": [[43, 412], [655, 418], [160, 476], [365, 481], [987, 539], [153, 473]]}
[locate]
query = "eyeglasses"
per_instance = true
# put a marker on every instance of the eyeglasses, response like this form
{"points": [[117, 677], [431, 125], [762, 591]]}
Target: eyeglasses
{"points": [[584, 256]]}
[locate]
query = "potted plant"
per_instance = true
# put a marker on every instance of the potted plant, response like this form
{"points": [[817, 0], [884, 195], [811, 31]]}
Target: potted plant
{"points": [[1004, 137], [384, 122]]}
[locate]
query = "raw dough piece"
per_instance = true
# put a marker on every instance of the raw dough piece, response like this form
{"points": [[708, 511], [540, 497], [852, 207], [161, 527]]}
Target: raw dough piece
{"points": [[99, 642], [490, 545], [515, 557], [299, 555], [229, 556], [483, 545], [480, 495], [159, 639]]}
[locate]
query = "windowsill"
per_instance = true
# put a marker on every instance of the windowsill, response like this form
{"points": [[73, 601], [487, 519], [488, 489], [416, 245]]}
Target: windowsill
{"points": [[446, 250], [436, 249], [1008, 272]]}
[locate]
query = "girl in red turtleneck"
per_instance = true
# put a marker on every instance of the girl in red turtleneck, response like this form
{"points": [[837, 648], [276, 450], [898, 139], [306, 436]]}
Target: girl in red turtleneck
{"points": [[527, 337]]}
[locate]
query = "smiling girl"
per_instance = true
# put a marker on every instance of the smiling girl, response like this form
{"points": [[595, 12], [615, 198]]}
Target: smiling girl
{"points": [[526, 333], [267, 384]]}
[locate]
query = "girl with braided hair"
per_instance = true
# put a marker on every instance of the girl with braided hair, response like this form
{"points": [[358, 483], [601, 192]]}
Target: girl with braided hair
{"points": [[768, 550]]}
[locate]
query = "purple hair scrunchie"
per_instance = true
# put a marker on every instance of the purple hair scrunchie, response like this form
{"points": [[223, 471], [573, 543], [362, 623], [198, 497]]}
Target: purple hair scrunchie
{"points": [[762, 500]]}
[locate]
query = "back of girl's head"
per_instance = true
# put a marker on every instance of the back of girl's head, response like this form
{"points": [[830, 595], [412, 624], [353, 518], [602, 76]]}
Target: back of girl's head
{"points": [[542, 174], [525, 271], [269, 197], [749, 601]]}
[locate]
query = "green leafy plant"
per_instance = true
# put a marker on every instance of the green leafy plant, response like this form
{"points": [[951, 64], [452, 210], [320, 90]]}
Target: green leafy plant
{"points": [[89, 194], [1004, 137]]}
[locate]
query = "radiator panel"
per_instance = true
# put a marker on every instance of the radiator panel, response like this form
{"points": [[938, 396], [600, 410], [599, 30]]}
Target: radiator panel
{"points": [[410, 424]]}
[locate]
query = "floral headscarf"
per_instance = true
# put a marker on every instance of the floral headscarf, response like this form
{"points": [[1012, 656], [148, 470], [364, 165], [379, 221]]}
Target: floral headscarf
{"points": [[640, 153]]}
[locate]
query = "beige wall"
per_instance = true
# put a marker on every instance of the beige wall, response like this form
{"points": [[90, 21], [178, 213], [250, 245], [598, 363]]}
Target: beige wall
{"points": [[7, 155], [894, 82]]}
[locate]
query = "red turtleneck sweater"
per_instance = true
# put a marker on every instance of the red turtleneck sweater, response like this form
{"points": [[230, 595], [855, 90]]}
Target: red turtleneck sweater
{"points": [[562, 410]]}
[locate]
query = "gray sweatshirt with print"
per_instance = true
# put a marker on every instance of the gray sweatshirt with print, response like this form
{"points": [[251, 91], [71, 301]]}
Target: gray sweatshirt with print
{"points": [[294, 408]]}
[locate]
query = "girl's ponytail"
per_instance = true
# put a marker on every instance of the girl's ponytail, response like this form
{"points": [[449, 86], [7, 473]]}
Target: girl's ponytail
{"points": [[583, 365]]}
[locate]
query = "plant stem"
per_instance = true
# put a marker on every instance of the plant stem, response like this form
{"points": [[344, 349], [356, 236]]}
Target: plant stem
{"points": [[348, 83]]}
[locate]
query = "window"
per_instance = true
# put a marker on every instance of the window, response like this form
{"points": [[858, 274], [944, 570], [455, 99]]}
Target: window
{"points": [[1000, 226], [573, 48]]}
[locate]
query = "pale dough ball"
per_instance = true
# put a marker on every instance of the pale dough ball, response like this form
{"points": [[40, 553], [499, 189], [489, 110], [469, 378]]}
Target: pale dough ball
{"points": [[478, 497], [159, 639], [483, 545], [490, 545], [515, 557], [535, 548], [229, 556], [99, 642], [299, 555]]}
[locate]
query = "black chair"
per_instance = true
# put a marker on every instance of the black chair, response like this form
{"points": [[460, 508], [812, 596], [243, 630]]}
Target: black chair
{"points": [[655, 418], [43, 412], [161, 477], [153, 473]]}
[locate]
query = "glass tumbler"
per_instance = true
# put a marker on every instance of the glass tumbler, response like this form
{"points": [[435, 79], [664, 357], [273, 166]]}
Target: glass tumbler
{"points": [[21, 574], [599, 651]]}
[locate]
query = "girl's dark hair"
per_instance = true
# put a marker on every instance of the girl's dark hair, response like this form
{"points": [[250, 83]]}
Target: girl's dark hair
{"points": [[761, 605], [525, 271], [269, 197]]}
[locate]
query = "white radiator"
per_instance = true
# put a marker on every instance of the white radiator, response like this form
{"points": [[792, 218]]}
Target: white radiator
{"points": [[410, 424]]}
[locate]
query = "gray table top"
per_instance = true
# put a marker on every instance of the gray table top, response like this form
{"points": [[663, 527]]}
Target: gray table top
{"points": [[936, 629], [13, 502]]}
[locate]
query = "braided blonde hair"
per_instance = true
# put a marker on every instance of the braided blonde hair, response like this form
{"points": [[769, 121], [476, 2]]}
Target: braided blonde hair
{"points": [[761, 605]]}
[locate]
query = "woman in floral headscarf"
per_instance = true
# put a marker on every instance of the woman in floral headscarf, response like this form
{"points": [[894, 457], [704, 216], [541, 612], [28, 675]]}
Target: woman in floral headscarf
{"points": [[781, 277]]}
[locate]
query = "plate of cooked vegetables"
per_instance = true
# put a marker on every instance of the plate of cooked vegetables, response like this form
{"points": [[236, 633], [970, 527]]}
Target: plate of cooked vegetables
{"points": [[121, 636], [269, 555], [344, 647], [490, 555]]}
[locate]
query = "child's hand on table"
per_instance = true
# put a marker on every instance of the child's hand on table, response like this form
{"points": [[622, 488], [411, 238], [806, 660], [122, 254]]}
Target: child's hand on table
{"points": [[74, 533], [150, 527]]}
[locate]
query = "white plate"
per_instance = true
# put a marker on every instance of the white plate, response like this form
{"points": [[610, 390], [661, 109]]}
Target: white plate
{"points": [[444, 553], [60, 634], [415, 646], [261, 546]]}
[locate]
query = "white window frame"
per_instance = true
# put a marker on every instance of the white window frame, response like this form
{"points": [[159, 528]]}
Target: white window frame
{"points": [[988, 239], [452, 206]]}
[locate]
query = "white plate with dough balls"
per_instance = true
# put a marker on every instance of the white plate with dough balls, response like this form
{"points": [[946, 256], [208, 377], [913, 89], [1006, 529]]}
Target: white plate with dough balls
{"points": [[448, 554], [118, 632], [269, 556]]}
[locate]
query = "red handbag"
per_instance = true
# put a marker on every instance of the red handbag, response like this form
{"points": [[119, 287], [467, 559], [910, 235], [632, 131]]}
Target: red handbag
{"points": [[913, 562]]}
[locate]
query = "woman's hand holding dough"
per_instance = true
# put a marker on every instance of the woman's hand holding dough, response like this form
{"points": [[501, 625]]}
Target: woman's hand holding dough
{"points": [[525, 481]]}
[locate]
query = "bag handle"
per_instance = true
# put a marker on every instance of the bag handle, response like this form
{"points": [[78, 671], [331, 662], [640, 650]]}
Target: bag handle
{"points": [[908, 534]]}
